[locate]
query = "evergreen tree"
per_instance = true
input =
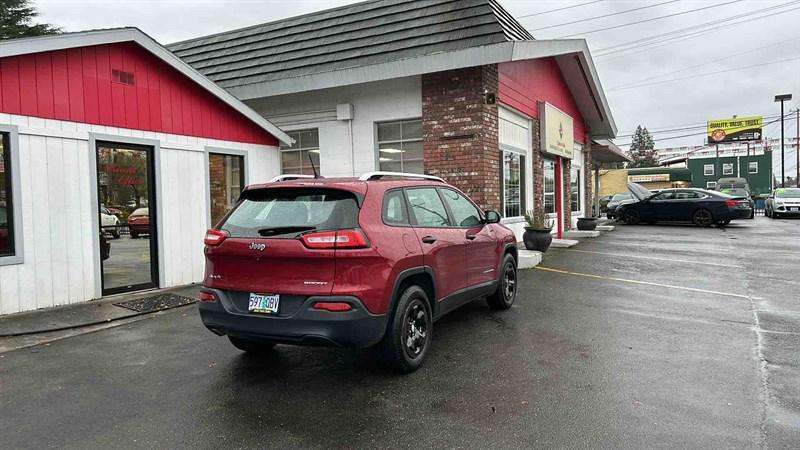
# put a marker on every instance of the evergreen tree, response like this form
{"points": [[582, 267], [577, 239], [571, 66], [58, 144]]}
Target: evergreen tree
{"points": [[642, 149], [17, 20]]}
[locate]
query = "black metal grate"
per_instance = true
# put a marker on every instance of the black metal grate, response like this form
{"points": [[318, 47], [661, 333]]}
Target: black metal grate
{"points": [[156, 303]]}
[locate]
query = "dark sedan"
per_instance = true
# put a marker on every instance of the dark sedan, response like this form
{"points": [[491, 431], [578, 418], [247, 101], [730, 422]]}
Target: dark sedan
{"points": [[699, 206]]}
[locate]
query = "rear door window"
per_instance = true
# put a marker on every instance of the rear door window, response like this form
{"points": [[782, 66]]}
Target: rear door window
{"points": [[427, 208], [288, 212]]}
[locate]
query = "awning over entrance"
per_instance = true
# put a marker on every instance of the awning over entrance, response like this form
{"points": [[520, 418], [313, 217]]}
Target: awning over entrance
{"points": [[605, 151]]}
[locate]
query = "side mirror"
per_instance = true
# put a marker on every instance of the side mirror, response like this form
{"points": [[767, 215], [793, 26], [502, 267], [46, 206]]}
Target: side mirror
{"points": [[492, 217]]}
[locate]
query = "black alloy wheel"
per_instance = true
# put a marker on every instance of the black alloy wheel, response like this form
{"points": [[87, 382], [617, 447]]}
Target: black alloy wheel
{"points": [[415, 329], [632, 217], [507, 286], [410, 331], [703, 218]]}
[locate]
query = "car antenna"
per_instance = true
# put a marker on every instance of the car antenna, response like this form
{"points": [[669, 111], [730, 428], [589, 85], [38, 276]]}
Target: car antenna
{"points": [[313, 167]]}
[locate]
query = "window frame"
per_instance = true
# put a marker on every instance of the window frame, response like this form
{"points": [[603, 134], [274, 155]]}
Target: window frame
{"points": [[522, 181], [210, 150], [544, 187], [724, 165], [750, 167], [406, 206], [378, 142], [706, 172], [711, 185], [318, 148], [10, 135]]}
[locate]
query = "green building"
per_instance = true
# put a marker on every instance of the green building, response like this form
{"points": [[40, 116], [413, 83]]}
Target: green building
{"points": [[756, 169]]}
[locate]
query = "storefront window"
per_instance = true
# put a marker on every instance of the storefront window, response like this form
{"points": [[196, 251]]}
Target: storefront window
{"points": [[297, 158], [575, 188], [513, 179], [549, 186], [727, 169], [226, 181], [752, 167], [6, 206], [400, 146]]}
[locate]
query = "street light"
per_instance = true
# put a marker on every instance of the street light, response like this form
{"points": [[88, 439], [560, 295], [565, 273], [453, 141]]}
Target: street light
{"points": [[782, 98]]}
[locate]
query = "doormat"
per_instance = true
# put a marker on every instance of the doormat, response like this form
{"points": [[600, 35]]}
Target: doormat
{"points": [[156, 303]]}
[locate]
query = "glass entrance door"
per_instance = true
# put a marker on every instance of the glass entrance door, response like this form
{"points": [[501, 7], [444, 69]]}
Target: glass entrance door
{"points": [[126, 197]]}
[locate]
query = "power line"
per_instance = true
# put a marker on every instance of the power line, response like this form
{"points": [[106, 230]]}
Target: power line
{"points": [[703, 64], [603, 16], [733, 69], [704, 133], [694, 30], [650, 19], [558, 9], [685, 128]]}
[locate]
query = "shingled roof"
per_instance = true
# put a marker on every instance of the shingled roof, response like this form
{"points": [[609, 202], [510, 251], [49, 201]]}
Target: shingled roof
{"points": [[357, 35]]}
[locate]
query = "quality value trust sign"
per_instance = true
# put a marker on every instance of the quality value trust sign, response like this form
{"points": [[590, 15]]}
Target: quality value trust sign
{"points": [[737, 129]]}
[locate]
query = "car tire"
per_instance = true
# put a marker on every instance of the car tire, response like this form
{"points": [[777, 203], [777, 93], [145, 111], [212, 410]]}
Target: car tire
{"points": [[632, 217], [410, 331], [251, 346], [115, 234], [506, 291], [703, 218], [134, 236], [609, 216]]}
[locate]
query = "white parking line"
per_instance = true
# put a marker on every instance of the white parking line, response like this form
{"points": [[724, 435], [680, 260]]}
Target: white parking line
{"points": [[647, 283], [685, 261]]}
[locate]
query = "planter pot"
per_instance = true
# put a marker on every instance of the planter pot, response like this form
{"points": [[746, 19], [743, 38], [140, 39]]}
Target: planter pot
{"points": [[536, 239], [587, 223]]}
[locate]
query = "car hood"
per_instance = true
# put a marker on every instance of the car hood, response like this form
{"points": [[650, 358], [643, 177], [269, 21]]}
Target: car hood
{"points": [[638, 191]]}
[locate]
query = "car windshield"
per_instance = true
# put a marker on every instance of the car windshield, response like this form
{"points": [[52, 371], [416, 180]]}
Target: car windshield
{"points": [[287, 212], [788, 193], [620, 197], [141, 212]]}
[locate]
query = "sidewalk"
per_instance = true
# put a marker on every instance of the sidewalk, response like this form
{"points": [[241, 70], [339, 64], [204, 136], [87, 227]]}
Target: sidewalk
{"points": [[46, 325]]}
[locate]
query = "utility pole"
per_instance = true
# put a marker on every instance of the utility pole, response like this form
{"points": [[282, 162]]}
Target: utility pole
{"points": [[783, 98]]}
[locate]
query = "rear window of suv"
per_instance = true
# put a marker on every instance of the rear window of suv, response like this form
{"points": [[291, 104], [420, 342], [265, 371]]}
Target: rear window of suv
{"points": [[289, 212]]}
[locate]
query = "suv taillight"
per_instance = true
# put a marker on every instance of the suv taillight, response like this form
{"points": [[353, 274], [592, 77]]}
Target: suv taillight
{"points": [[215, 237], [335, 239]]}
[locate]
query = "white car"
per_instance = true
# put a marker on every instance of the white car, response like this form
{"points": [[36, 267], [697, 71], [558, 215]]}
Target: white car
{"points": [[107, 221], [783, 202]]}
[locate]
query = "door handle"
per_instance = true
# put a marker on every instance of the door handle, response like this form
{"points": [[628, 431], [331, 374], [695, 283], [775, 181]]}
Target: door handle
{"points": [[471, 237], [428, 239]]}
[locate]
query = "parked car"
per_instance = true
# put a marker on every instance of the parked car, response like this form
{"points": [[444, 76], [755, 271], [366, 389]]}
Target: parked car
{"points": [[348, 262], [139, 222], [742, 192], [699, 206], [611, 208], [109, 222], [603, 202], [783, 202]]}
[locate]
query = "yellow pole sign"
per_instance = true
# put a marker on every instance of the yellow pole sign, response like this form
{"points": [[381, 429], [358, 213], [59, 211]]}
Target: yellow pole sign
{"points": [[735, 130]]}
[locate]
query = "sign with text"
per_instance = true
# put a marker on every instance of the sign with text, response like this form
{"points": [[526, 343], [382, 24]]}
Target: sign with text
{"points": [[556, 132], [737, 129], [648, 178]]}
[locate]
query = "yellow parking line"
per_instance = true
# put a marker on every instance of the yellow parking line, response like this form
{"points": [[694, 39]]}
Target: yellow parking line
{"points": [[647, 283]]}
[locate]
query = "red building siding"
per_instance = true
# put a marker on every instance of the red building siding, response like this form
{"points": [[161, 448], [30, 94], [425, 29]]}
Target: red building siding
{"points": [[77, 85], [524, 83]]}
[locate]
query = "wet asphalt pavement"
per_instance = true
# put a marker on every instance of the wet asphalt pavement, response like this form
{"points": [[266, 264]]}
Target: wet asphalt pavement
{"points": [[705, 354]]}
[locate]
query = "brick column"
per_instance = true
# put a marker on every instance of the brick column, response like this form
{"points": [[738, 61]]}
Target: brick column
{"points": [[460, 141]]}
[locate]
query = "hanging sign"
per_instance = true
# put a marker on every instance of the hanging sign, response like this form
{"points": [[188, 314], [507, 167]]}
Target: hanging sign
{"points": [[556, 132]]}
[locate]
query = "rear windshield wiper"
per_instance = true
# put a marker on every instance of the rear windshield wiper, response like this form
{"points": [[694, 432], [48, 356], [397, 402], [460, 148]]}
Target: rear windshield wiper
{"points": [[283, 230]]}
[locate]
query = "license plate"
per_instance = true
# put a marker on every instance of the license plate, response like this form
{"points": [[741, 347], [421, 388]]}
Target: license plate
{"points": [[264, 303]]}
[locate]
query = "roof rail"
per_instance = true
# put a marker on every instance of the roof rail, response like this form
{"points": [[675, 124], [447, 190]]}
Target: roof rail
{"points": [[289, 177], [379, 174]]}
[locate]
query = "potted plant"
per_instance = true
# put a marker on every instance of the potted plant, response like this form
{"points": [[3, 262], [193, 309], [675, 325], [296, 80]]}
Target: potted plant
{"points": [[587, 223], [537, 231]]}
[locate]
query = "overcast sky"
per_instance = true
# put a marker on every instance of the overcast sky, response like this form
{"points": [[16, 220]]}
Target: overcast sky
{"points": [[687, 102]]}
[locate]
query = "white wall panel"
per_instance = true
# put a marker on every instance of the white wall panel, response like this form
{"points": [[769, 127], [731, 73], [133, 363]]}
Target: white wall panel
{"points": [[57, 211]]}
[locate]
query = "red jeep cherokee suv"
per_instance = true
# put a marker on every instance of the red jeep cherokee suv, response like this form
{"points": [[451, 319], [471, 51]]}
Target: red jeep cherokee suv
{"points": [[352, 262]]}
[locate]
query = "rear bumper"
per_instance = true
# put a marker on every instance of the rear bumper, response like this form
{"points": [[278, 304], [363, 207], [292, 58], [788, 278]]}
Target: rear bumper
{"points": [[306, 326]]}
